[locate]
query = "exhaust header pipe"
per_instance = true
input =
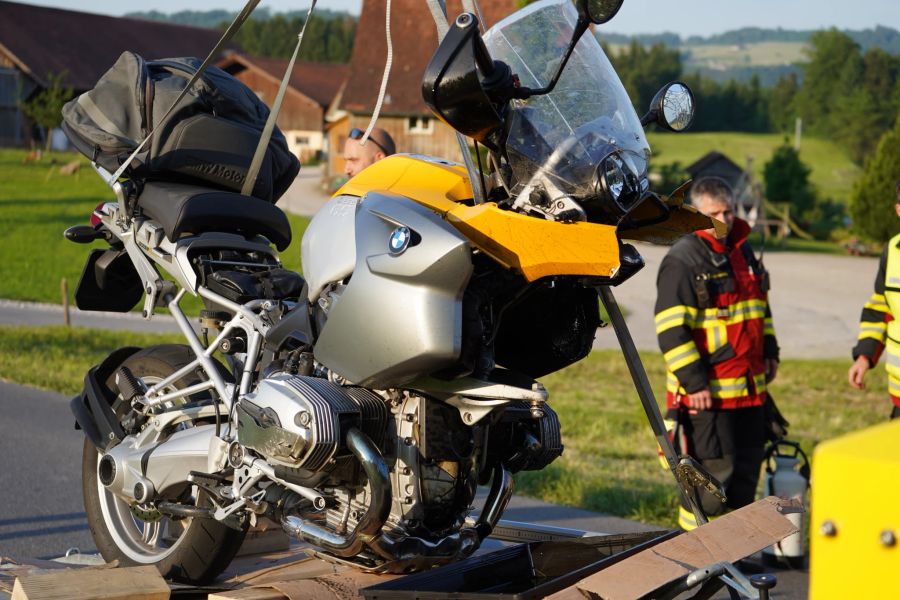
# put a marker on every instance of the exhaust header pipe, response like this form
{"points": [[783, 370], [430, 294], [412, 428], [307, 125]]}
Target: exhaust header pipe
{"points": [[371, 523]]}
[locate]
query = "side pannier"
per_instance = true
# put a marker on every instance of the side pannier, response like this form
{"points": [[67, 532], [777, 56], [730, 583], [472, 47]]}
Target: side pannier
{"points": [[208, 140]]}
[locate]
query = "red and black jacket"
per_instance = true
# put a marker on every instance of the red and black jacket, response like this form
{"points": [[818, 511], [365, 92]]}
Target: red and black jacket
{"points": [[713, 320]]}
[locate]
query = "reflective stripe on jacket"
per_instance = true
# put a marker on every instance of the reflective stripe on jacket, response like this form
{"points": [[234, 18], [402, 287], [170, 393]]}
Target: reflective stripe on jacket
{"points": [[892, 299], [713, 321], [876, 314]]}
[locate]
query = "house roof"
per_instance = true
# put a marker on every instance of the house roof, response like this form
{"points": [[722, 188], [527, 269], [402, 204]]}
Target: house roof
{"points": [[414, 40], [713, 159], [42, 40], [318, 81]]}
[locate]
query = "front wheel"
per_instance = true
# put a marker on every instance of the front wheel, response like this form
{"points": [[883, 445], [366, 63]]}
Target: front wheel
{"points": [[192, 550]]}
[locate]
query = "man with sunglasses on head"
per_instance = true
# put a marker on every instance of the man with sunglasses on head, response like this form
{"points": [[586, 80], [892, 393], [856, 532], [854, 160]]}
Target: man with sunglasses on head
{"points": [[359, 156]]}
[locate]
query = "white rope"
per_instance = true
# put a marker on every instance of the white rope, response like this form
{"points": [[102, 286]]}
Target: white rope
{"points": [[384, 79]]}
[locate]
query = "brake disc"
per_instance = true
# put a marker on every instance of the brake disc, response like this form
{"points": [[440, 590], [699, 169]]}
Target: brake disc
{"points": [[145, 512]]}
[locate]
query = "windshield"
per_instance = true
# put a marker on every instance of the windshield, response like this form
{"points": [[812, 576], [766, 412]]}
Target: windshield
{"points": [[561, 137]]}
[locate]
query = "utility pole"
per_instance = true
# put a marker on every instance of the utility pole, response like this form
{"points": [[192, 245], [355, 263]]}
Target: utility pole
{"points": [[798, 130]]}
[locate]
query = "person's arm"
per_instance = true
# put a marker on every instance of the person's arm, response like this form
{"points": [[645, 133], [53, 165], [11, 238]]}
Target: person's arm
{"points": [[676, 312], [872, 329]]}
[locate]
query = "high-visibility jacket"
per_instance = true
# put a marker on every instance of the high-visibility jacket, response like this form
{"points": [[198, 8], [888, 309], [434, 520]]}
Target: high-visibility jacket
{"points": [[713, 320], [878, 329]]}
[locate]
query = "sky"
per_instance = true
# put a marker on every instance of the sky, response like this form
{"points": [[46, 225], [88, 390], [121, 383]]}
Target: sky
{"points": [[686, 17]]}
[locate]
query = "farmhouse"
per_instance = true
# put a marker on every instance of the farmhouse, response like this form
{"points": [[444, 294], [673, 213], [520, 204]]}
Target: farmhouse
{"points": [[36, 41], [311, 90], [404, 115]]}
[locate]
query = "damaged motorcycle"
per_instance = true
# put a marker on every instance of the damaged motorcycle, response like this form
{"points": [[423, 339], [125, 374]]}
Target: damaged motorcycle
{"points": [[361, 404]]}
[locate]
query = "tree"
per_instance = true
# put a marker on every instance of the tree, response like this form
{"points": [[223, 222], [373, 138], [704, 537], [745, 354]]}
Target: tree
{"points": [[45, 107], [873, 196], [824, 78], [781, 112], [787, 180], [644, 71]]}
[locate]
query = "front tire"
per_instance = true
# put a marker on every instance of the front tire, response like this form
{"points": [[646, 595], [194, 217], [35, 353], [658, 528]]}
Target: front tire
{"points": [[191, 550]]}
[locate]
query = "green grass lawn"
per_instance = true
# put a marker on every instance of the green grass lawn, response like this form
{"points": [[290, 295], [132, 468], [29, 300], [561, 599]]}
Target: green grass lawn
{"points": [[37, 204], [609, 463], [833, 173]]}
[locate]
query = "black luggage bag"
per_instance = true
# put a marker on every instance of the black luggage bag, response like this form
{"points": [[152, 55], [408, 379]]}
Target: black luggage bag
{"points": [[209, 139]]}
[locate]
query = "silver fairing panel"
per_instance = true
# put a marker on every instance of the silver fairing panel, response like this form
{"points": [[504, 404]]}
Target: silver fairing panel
{"points": [[400, 316], [328, 249]]}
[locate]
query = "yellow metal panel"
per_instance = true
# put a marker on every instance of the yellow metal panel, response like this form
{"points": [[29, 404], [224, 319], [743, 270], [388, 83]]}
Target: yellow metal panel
{"points": [[437, 184], [539, 248], [535, 247], [856, 500]]}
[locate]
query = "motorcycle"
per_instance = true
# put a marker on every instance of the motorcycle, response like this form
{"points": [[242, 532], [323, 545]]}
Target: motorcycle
{"points": [[361, 405]]}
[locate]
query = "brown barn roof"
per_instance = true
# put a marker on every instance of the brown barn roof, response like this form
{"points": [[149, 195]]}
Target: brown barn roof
{"points": [[710, 159], [318, 81], [414, 40], [43, 40]]}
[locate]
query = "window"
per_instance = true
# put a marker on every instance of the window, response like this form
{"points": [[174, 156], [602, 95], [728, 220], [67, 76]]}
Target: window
{"points": [[301, 140], [420, 125]]}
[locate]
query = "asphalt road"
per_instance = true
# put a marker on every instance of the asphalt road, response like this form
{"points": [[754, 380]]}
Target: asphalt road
{"points": [[815, 298], [41, 511]]}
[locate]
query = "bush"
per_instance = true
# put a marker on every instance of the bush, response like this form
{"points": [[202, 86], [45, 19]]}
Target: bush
{"points": [[787, 180], [873, 197]]}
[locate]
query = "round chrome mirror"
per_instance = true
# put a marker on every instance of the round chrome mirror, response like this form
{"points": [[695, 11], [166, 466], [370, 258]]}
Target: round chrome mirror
{"points": [[677, 106], [598, 11], [672, 107]]}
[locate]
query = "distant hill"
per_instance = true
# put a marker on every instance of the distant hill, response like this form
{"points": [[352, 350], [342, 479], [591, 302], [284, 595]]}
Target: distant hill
{"points": [[215, 18], [886, 38], [743, 53]]}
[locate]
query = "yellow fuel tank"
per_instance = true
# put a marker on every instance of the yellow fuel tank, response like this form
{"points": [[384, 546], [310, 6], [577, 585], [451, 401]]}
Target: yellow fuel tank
{"points": [[535, 247], [855, 524]]}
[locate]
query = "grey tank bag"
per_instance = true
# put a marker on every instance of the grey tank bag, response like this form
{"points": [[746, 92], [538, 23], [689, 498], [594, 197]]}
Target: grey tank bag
{"points": [[209, 139]]}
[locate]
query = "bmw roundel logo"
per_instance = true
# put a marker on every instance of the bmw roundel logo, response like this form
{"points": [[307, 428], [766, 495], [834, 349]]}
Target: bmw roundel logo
{"points": [[400, 238]]}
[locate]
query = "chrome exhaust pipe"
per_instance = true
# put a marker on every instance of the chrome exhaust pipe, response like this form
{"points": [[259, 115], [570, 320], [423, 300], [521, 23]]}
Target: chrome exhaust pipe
{"points": [[421, 554], [371, 523]]}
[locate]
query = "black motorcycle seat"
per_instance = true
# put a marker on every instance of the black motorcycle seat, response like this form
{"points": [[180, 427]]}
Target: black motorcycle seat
{"points": [[182, 209]]}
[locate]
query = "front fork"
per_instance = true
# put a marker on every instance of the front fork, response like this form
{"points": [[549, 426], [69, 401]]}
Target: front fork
{"points": [[689, 474]]}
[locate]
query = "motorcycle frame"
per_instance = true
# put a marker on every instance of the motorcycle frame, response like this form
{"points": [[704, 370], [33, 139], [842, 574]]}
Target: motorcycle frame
{"points": [[143, 241]]}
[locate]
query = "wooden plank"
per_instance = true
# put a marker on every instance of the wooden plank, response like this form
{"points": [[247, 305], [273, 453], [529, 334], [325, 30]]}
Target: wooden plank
{"points": [[131, 583], [337, 586], [729, 538], [252, 593]]}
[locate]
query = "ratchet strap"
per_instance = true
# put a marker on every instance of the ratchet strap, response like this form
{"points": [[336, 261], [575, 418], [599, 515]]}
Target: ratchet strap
{"points": [[226, 37], [688, 473]]}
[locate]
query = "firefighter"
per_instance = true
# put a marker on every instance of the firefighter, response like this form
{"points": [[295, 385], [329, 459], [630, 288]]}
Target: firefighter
{"points": [[877, 324], [715, 331]]}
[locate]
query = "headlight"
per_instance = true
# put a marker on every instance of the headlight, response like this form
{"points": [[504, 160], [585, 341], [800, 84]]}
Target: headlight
{"points": [[615, 182], [613, 176]]}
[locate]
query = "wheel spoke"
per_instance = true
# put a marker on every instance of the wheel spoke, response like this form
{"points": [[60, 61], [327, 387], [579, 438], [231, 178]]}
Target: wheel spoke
{"points": [[150, 533]]}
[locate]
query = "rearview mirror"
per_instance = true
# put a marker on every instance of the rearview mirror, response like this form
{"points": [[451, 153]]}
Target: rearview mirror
{"points": [[598, 11], [672, 107]]}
